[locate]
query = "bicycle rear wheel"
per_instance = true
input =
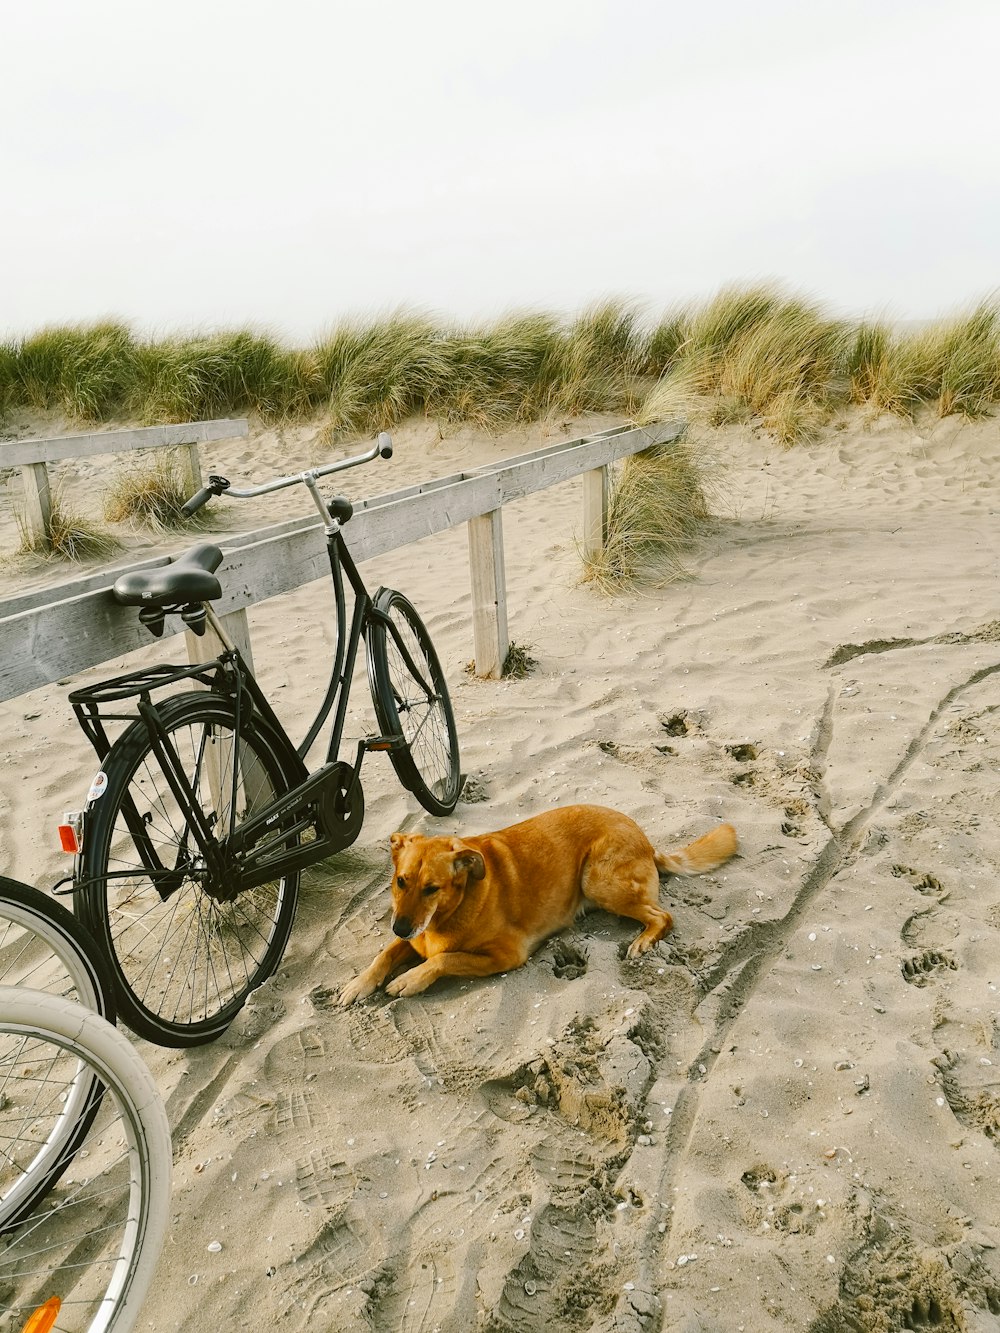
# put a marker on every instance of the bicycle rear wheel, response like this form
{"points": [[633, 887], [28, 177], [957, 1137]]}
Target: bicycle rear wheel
{"points": [[411, 701], [95, 1246], [184, 961], [43, 946]]}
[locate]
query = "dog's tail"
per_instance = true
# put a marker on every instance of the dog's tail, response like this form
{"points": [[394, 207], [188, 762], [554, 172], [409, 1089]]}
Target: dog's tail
{"points": [[706, 853]]}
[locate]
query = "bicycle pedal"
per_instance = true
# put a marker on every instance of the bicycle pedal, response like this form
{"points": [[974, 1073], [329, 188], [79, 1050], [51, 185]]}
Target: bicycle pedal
{"points": [[381, 742]]}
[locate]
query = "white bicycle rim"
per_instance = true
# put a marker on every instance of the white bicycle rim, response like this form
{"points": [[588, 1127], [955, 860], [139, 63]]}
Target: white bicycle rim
{"points": [[35, 952], [95, 1240]]}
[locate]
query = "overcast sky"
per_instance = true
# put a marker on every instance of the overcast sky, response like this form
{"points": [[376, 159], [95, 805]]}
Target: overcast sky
{"points": [[200, 163]]}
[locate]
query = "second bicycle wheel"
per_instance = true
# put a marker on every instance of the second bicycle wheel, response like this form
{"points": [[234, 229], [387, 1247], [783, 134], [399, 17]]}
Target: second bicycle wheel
{"points": [[184, 950], [91, 1251], [411, 702], [43, 946]]}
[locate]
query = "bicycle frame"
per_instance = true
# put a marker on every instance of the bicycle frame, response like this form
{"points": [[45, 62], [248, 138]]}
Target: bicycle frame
{"points": [[327, 801]]}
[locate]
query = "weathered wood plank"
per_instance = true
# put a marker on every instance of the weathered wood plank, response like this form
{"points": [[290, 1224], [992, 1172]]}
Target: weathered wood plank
{"points": [[60, 631], [596, 488], [190, 461], [489, 593], [37, 503], [15, 453]]}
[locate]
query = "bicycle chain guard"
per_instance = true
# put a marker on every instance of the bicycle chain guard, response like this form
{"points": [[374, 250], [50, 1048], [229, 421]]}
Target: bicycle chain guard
{"points": [[340, 806]]}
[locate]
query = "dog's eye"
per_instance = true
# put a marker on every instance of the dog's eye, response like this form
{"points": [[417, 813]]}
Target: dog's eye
{"points": [[430, 889], [401, 882]]}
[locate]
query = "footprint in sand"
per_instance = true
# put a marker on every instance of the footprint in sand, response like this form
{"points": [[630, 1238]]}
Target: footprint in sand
{"points": [[560, 1277], [898, 1285], [770, 1208], [569, 961], [923, 968], [968, 1065], [922, 881]]}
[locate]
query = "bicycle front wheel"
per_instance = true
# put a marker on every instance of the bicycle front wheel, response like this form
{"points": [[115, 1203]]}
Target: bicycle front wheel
{"points": [[94, 1247], [412, 703], [185, 951], [44, 946]]}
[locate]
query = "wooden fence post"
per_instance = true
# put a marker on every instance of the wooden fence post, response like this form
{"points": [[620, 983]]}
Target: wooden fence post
{"points": [[489, 593], [595, 511], [203, 648], [37, 504], [191, 470], [206, 647]]}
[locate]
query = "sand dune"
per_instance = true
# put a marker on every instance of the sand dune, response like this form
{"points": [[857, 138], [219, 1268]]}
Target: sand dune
{"points": [[784, 1117]]}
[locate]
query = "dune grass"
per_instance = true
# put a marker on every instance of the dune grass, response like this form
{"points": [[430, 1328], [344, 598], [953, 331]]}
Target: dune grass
{"points": [[751, 353], [659, 504], [149, 494], [72, 537], [86, 371], [373, 374], [222, 374]]}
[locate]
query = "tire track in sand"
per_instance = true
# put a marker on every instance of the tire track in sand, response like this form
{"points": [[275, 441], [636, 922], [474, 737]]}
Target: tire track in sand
{"points": [[730, 985]]}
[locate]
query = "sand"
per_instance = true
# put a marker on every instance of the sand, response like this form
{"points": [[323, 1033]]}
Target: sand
{"points": [[786, 1116]]}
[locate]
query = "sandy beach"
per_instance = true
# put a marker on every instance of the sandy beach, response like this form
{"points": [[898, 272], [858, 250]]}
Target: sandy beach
{"points": [[787, 1115]]}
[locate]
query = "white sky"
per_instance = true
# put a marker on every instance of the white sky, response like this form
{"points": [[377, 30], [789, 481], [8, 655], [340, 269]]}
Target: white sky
{"points": [[204, 163]]}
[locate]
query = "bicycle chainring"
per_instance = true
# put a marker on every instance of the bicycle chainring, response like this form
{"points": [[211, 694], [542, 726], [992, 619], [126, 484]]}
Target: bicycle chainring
{"points": [[340, 807]]}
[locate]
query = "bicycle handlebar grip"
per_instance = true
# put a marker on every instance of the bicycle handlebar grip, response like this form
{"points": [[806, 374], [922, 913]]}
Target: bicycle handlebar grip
{"points": [[385, 444], [216, 485], [196, 501]]}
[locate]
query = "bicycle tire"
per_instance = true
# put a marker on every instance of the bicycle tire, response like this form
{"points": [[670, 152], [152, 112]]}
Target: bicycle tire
{"points": [[183, 966], [43, 946], [96, 1246], [427, 760]]}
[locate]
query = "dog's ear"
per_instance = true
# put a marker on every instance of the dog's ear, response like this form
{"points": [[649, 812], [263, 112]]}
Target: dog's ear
{"points": [[471, 862], [398, 840]]}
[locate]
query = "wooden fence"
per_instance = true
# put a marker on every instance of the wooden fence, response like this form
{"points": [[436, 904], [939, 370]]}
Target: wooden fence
{"points": [[33, 457], [56, 632]]}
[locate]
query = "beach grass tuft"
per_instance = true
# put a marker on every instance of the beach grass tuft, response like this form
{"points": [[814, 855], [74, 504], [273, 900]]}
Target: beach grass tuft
{"points": [[596, 365], [518, 662], [222, 374], [149, 494], [496, 375], [659, 504], [87, 371], [373, 374], [71, 536]]}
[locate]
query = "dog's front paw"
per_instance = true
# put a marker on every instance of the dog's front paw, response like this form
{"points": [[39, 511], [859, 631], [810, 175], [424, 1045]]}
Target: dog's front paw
{"points": [[357, 989], [409, 983], [640, 945]]}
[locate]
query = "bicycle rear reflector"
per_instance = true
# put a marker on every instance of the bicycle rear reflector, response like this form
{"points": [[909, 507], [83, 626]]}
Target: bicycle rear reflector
{"points": [[71, 840]]}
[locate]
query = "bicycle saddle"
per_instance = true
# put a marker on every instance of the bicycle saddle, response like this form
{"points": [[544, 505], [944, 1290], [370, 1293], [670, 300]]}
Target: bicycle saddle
{"points": [[189, 578]]}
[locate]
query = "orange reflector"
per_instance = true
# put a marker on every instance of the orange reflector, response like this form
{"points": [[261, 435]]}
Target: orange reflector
{"points": [[69, 839], [44, 1317]]}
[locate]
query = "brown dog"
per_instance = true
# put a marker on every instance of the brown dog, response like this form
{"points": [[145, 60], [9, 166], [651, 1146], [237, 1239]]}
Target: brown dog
{"points": [[469, 907]]}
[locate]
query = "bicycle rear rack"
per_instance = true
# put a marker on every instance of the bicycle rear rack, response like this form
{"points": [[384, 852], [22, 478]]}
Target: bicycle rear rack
{"points": [[91, 703]]}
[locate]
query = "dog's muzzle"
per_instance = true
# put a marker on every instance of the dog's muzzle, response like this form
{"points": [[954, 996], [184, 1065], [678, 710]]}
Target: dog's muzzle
{"points": [[403, 927]]}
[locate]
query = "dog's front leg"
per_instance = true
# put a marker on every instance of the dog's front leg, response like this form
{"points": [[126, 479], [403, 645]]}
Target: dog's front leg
{"points": [[393, 956], [417, 979]]}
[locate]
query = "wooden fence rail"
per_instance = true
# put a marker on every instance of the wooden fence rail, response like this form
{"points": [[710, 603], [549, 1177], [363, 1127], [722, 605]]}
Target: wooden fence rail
{"points": [[56, 632], [33, 457]]}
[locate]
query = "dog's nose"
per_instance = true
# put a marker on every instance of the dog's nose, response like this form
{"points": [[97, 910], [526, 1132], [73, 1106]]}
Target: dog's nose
{"points": [[403, 927]]}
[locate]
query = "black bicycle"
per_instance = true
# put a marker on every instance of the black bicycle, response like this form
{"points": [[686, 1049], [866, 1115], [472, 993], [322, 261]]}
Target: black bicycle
{"points": [[204, 812]]}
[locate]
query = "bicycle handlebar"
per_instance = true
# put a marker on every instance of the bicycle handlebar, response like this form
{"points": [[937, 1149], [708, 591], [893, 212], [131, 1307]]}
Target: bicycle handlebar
{"points": [[382, 448]]}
